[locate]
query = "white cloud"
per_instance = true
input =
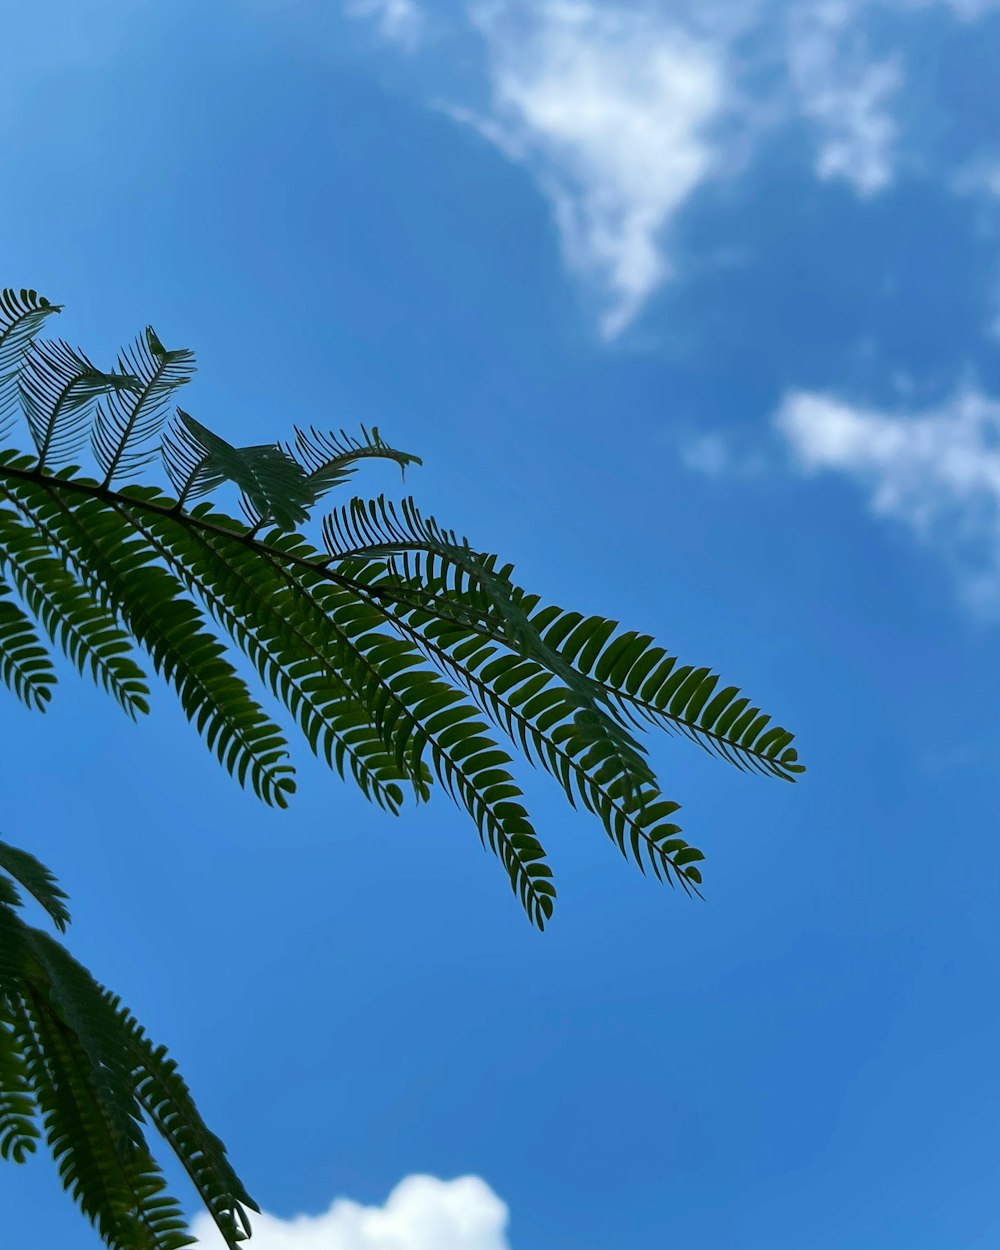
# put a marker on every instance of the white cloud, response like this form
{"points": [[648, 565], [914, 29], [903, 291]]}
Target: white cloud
{"points": [[937, 471], [623, 109], [399, 21], [845, 94], [613, 110], [421, 1213]]}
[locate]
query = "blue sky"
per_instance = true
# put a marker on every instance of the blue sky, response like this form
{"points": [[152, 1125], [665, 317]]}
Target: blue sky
{"points": [[696, 319]]}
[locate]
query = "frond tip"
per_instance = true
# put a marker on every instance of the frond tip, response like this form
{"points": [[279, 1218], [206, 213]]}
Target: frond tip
{"points": [[330, 459]]}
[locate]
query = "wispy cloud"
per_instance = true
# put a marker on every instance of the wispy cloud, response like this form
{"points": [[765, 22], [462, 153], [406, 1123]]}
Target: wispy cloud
{"points": [[979, 180], [713, 454], [707, 453], [845, 94], [612, 110], [936, 471], [421, 1213], [979, 177], [399, 21], [622, 111], [966, 10]]}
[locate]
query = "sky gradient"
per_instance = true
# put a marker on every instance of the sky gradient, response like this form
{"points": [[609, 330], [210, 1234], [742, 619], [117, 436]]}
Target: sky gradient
{"points": [[696, 320]]}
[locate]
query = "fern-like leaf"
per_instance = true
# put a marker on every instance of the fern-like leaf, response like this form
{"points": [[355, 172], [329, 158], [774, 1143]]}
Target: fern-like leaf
{"points": [[59, 390], [274, 486], [74, 1058], [261, 609], [330, 459], [38, 881], [387, 647], [25, 666], [22, 314], [124, 573], [19, 1132], [74, 619], [127, 419]]}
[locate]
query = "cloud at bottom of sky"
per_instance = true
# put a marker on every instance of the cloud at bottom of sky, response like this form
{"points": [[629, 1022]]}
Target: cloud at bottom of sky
{"points": [[937, 471], [421, 1213]]}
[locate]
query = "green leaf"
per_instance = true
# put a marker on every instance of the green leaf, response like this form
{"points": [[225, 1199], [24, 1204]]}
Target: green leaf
{"points": [[38, 881], [330, 459], [127, 420], [59, 390], [274, 486], [400, 652], [22, 314], [73, 1056], [25, 666]]}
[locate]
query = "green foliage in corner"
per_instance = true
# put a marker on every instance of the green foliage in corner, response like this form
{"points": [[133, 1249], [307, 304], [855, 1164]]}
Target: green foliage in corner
{"points": [[77, 1069]]}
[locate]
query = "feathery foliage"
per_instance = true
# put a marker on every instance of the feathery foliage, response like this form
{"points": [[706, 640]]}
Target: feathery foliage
{"points": [[404, 655], [77, 1070]]}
